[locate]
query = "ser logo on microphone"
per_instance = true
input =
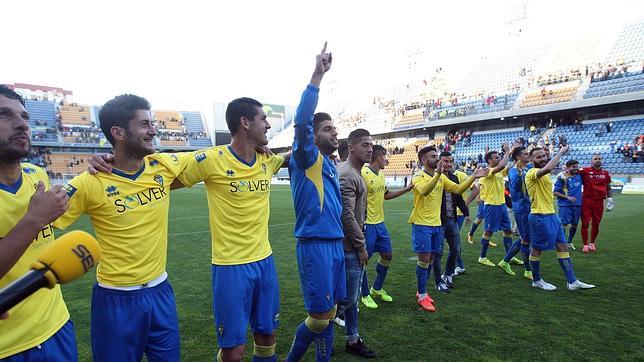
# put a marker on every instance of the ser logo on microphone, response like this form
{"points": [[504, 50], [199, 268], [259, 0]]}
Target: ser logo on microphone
{"points": [[85, 256]]}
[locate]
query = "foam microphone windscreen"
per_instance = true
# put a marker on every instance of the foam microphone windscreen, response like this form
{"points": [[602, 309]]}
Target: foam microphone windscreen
{"points": [[70, 256]]}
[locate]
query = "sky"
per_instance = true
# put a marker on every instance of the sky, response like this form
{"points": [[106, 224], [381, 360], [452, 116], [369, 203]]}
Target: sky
{"points": [[188, 54]]}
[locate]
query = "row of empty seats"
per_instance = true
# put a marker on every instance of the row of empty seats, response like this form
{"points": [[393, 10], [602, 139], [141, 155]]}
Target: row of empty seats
{"points": [[75, 115]]}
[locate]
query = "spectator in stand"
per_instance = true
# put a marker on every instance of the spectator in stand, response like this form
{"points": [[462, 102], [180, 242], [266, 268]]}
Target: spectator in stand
{"points": [[533, 129], [618, 146], [612, 146]]}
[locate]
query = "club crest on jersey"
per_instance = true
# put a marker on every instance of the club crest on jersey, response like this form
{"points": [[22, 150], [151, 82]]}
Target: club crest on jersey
{"points": [[154, 162], [264, 168], [29, 170], [200, 157], [69, 189], [230, 173], [158, 179], [174, 158], [111, 191]]}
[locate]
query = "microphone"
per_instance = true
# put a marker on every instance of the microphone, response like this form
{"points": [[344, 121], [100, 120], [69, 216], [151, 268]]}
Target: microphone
{"points": [[66, 259]]}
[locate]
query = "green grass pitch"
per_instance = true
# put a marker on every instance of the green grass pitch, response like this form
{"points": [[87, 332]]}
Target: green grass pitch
{"points": [[488, 316]]}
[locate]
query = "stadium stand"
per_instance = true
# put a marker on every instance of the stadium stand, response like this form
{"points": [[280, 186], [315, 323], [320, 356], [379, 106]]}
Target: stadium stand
{"points": [[561, 92], [197, 135], [43, 120], [74, 114]]}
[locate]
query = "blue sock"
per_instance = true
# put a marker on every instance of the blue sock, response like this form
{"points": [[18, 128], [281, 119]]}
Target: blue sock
{"points": [[484, 245], [473, 228], [514, 249], [272, 358], [422, 273], [566, 266], [365, 284], [525, 253], [303, 338], [571, 233], [381, 274], [507, 242], [324, 344], [535, 265]]}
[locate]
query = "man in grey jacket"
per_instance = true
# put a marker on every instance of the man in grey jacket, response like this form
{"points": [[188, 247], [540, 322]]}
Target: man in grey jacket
{"points": [[354, 208]]}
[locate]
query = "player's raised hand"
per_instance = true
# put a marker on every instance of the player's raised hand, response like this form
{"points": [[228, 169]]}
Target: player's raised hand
{"points": [[506, 148], [564, 149], [323, 61], [440, 166], [47, 206], [100, 162], [480, 172]]}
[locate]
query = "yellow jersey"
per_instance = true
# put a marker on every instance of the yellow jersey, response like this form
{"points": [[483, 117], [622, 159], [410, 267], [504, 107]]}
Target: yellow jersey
{"points": [[376, 190], [540, 192], [427, 209], [493, 188], [238, 202], [462, 177], [129, 212], [41, 315]]}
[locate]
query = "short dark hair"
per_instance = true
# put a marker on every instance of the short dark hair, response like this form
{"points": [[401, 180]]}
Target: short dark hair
{"points": [[11, 94], [356, 135], [424, 150], [445, 154], [488, 155], [343, 150], [119, 111], [376, 151], [320, 117], [238, 108], [517, 152], [532, 151], [570, 163]]}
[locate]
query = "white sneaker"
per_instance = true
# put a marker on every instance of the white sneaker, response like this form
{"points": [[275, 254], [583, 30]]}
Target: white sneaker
{"points": [[339, 321], [459, 271], [578, 284], [541, 284]]}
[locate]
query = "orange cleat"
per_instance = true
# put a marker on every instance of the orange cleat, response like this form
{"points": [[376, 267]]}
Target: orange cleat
{"points": [[426, 304]]}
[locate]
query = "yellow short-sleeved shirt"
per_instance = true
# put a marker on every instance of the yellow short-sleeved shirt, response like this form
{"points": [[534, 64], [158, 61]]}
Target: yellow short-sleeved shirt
{"points": [[238, 202], [493, 188], [427, 209], [42, 314], [540, 192], [376, 190], [129, 212]]}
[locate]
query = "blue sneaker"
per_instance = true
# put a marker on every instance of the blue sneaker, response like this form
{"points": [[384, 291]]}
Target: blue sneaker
{"points": [[442, 287]]}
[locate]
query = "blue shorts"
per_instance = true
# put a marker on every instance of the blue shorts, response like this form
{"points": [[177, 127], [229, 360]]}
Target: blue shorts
{"points": [[59, 347], [243, 294], [323, 276], [496, 218], [570, 215], [426, 239], [127, 324], [545, 231], [523, 225], [377, 238], [480, 211]]}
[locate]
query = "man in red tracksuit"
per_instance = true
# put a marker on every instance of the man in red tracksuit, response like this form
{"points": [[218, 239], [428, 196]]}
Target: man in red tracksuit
{"points": [[596, 184]]}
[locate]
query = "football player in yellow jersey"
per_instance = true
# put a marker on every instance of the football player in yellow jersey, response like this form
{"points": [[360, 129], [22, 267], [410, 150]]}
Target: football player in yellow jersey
{"points": [[496, 213], [39, 327], [546, 232], [133, 305], [426, 231], [376, 234], [244, 279]]}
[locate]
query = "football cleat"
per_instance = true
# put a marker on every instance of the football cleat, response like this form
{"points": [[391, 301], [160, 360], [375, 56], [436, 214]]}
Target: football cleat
{"points": [[382, 294], [592, 247], [527, 274], [516, 261], [506, 267], [578, 284], [426, 304], [486, 262], [586, 249], [541, 284], [369, 302]]}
